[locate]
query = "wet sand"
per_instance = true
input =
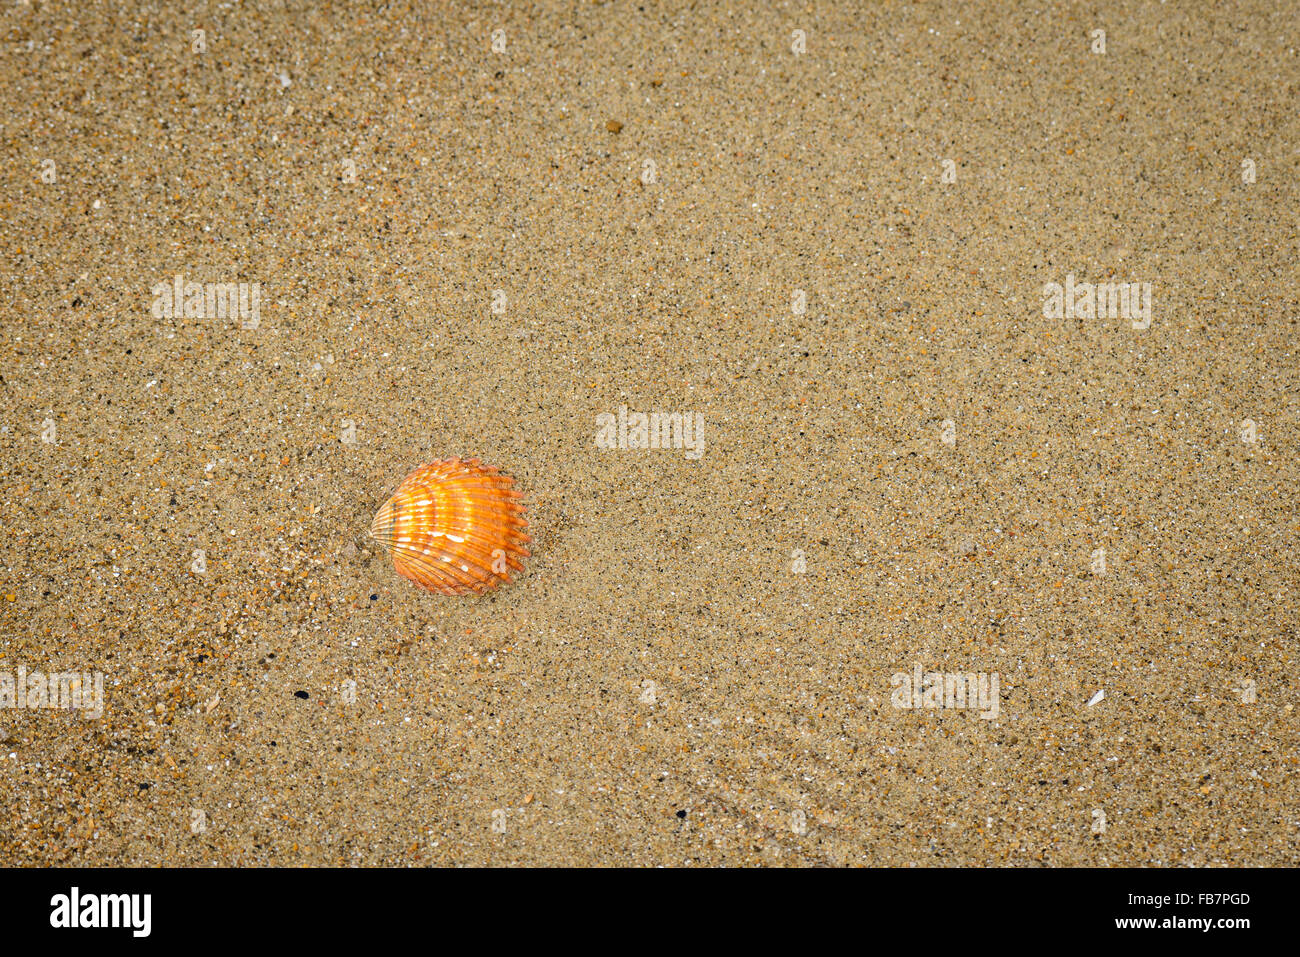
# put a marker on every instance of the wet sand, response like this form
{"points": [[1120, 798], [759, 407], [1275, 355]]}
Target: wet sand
{"points": [[909, 459]]}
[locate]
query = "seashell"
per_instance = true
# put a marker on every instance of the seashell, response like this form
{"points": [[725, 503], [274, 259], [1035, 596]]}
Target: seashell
{"points": [[454, 526]]}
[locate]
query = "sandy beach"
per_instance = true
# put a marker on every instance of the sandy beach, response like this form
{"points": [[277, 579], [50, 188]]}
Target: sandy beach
{"points": [[981, 323]]}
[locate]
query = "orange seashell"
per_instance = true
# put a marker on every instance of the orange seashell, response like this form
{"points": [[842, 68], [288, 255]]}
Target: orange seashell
{"points": [[454, 526]]}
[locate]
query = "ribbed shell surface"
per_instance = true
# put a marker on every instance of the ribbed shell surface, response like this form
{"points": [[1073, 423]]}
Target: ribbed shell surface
{"points": [[454, 527]]}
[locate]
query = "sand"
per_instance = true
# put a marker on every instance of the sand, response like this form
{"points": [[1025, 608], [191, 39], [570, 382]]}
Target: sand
{"points": [[910, 459]]}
